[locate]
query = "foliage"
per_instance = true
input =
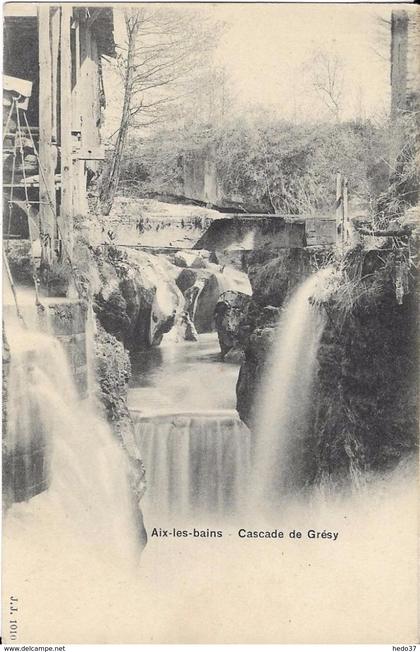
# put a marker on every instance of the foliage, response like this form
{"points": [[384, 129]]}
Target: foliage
{"points": [[158, 64], [267, 165], [291, 168], [403, 189]]}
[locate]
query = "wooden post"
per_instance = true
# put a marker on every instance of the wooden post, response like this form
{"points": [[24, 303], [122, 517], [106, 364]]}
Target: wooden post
{"points": [[66, 209], [346, 224], [90, 110], [339, 209], [55, 20], [78, 99], [47, 206]]}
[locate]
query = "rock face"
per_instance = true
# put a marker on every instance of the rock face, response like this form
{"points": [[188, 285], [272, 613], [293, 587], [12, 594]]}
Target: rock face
{"points": [[203, 303], [202, 289], [274, 277], [257, 348], [246, 328], [235, 318], [136, 297], [139, 296], [19, 258], [189, 277], [366, 386], [365, 390], [113, 372]]}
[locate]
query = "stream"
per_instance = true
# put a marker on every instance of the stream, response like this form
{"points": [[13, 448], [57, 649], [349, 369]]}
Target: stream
{"points": [[195, 449], [182, 377]]}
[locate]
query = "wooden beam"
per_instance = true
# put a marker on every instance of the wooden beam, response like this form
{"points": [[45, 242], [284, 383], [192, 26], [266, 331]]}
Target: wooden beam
{"points": [[66, 208], [89, 91], [77, 100], [55, 19], [346, 223], [47, 206], [79, 177], [339, 209]]}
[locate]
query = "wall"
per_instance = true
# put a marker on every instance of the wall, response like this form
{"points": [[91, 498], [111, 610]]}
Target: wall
{"points": [[200, 176], [249, 233]]}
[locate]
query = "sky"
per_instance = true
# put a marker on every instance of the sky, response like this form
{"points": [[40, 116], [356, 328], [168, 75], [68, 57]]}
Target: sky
{"points": [[265, 49]]}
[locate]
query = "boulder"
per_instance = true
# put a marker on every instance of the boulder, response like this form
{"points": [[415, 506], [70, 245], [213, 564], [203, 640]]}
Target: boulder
{"points": [[250, 373], [190, 332], [273, 279], [201, 299], [112, 313], [202, 289], [234, 321], [163, 312], [189, 259], [137, 298], [205, 303], [188, 277]]}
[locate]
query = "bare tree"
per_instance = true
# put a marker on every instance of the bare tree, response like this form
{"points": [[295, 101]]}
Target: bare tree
{"points": [[111, 177], [165, 47], [327, 76]]}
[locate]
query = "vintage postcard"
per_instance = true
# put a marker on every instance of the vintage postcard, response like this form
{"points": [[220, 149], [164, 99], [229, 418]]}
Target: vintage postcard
{"points": [[210, 224]]}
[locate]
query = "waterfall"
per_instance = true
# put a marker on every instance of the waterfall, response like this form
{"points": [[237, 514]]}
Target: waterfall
{"points": [[197, 464], [81, 464], [283, 404]]}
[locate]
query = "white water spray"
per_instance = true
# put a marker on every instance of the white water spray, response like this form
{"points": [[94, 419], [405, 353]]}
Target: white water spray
{"points": [[197, 464], [88, 502], [284, 397]]}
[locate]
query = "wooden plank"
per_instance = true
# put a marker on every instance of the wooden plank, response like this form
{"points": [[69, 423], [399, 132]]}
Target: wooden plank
{"points": [[76, 87], [79, 178], [89, 90], [55, 19], [66, 208], [47, 207], [15, 84]]}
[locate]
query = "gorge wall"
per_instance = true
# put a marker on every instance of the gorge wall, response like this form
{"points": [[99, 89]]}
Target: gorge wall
{"points": [[366, 417], [365, 388]]}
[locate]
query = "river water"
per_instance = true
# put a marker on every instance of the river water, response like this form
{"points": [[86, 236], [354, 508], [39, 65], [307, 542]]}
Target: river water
{"points": [[182, 377], [66, 549], [195, 449]]}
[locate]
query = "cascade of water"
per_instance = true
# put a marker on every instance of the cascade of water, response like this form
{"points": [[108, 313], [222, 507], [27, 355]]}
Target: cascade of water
{"points": [[88, 487], [284, 397], [197, 464]]}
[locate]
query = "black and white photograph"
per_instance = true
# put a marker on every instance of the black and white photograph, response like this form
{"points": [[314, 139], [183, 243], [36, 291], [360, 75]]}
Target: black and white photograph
{"points": [[210, 348]]}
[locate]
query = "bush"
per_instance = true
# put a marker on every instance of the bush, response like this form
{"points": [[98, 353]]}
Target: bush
{"points": [[266, 165]]}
